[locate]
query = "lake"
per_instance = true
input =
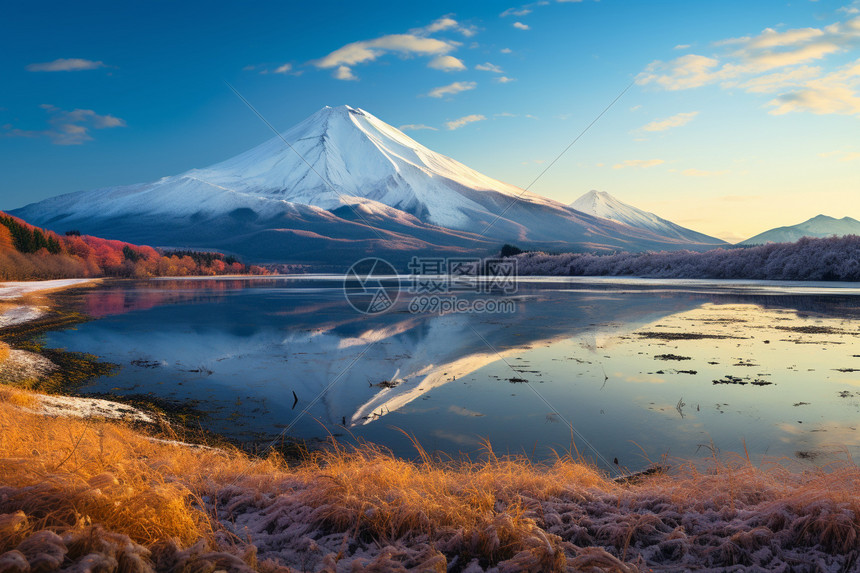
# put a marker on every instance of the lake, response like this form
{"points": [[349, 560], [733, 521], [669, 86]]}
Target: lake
{"points": [[616, 369]]}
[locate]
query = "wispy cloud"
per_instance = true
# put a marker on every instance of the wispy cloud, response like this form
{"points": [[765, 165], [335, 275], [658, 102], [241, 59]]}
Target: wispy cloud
{"points": [[676, 120], [465, 120], [681, 47], [521, 26], [446, 23], [416, 127], [702, 173], [842, 155], [488, 67], [447, 64], [523, 10], [265, 69], [452, 89], [774, 62], [415, 43], [504, 79], [66, 65], [638, 163], [68, 127], [527, 9]]}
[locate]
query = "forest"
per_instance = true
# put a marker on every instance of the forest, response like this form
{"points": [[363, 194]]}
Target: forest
{"points": [[30, 253], [809, 259]]}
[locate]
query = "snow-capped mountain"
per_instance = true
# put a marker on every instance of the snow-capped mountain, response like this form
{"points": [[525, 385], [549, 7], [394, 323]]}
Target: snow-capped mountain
{"points": [[340, 182], [819, 226], [602, 204]]}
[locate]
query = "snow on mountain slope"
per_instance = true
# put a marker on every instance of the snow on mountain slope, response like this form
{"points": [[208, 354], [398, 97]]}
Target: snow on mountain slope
{"points": [[359, 156], [602, 204], [818, 226], [340, 180]]}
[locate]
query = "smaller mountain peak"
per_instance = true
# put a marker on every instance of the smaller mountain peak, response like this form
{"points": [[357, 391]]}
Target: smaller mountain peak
{"points": [[592, 197]]}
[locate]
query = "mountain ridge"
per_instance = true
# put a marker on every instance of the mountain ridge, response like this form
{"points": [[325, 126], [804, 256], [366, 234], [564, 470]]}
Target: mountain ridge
{"points": [[347, 184], [820, 226]]}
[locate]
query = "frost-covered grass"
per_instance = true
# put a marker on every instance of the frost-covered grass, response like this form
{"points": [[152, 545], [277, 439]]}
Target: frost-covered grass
{"points": [[99, 494], [808, 259]]}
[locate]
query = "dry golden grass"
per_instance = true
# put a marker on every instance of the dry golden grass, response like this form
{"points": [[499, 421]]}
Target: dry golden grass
{"points": [[4, 352], [67, 475], [17, 397], [102, 472], [386, 498]]}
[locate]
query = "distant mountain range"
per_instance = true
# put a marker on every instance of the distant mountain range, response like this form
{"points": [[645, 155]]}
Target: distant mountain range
{"points": [[343, 184], [819, 226], [602, 204]]}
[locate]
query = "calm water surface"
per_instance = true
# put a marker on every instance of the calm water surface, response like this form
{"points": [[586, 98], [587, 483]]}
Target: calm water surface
{"points": [[630, 364]]}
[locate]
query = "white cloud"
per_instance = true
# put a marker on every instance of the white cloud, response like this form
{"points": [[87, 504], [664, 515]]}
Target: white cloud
{"points": [[446, 23], [406, 45], [504, 79], [68, 127], [638, 163], [833, 93], [681, 47], [344, 73], [690, 71], [669, 122], [488, 67], [415, 43], [774, 62], [702, 173], [452, 89], [818, 100], [505, 50], [66, 65], [458, 123], [521, 26], [415, 127], [283, 69], [446, 64]]}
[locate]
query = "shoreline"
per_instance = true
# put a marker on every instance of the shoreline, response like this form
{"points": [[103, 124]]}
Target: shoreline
{"points": [[33, 310]]}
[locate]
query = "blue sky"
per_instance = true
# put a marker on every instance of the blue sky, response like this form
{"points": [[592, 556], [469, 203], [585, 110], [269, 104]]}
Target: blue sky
{"points": [[742, 115]]}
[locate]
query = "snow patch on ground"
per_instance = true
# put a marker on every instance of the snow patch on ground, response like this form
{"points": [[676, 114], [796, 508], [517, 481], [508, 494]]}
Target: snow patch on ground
{"points": [[12, 290], [21, 366], [91, 408], [20, 315]]}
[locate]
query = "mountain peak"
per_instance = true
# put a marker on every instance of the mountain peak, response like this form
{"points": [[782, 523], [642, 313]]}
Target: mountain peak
{"points": [[602, 204]]}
